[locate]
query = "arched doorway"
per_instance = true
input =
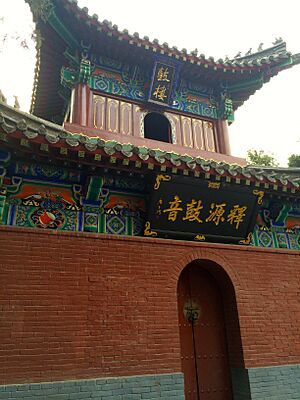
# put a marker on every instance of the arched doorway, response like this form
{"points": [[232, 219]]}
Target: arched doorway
{"points": [[157, 127], [204, 354]]}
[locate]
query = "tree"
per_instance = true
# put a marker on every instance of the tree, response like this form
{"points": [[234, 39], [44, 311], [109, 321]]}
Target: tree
{"points": [[294, 160], [9, 37], [255, 157]]}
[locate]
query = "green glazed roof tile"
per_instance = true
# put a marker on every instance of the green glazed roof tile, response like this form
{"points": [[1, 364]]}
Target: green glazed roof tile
{"points": [[14, 121]]}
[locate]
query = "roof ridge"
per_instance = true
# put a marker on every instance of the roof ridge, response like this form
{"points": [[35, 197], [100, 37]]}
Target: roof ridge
{"points": [[173, 51], [278, 47]]}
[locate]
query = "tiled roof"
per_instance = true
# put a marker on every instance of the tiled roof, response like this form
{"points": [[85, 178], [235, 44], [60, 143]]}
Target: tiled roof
{"points": [[61, 23], [42, 135], [257, 59]]}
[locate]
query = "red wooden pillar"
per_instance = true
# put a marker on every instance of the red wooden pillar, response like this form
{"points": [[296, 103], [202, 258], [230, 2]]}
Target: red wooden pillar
{"points": [[223, 137], [82, 107]]}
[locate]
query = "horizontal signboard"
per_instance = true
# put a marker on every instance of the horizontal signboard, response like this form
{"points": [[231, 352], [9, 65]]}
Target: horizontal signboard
{"points": [[189, 208]]}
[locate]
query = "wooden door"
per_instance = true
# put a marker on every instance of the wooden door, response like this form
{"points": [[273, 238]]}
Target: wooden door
{"points": [[202, 336]]}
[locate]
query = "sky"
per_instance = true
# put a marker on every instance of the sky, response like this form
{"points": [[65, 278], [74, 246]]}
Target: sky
{"points": [[268, 121]]}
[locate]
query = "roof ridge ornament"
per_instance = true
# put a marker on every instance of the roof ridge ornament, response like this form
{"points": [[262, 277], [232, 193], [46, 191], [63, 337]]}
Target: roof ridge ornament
{"points": [[226, 106], [278, 46], [238, 55], [16, 104], [240, 72], [85, 68], [2, 97], [278, 41], [41, 8]]}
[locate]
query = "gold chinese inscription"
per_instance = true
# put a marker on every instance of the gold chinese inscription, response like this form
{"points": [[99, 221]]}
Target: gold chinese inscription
{"points": [[158, 209], [161, 85], [160, 92], [236, 215], [174, 208], [193, 211], [216, 213], [163, 74]]}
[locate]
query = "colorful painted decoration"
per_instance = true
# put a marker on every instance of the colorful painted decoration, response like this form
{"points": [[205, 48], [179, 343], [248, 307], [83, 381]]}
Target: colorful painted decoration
{"points": [[46, 219], [278, 225], [46, 197], [113, 77]]}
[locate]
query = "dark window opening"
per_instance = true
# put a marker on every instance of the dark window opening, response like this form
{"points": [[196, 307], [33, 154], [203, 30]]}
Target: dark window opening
{"points": [[157, 127]]}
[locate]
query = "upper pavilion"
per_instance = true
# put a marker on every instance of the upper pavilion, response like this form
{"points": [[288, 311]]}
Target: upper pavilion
{"points": [[107, 83]]}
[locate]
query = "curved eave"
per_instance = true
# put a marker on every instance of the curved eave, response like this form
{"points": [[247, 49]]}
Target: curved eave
{"points": [[24, 131], [296, 59], [256, 62], [241, 91], [46, 100], [106, 37]]}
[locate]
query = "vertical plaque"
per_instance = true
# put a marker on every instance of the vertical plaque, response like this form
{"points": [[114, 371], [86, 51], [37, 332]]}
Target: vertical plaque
{"points": [[162, 83]]}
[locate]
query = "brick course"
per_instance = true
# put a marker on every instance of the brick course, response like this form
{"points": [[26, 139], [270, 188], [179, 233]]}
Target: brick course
{"points": [[77, 305], [166, 386], [269, 383], [276, 383]]}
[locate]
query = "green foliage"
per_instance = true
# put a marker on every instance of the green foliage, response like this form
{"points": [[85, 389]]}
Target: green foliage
{"points": [[294, 160], [255, 157]]}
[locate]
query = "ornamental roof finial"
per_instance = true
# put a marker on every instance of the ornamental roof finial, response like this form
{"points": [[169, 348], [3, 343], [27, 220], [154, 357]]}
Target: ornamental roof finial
{"points": [[278, 40], [2, 97], [17, 104], [260, 47]]}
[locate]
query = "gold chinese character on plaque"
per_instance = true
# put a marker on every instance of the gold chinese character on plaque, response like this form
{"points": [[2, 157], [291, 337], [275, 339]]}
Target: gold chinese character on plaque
{"points": [[216, 213], [158, 209], [160, 93], [174, 208], [163, 74], [193, 211], [236, 215]]}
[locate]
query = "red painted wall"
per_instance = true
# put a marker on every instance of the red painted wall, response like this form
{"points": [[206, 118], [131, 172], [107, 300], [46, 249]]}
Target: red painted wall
{"points": [[84, 305]]}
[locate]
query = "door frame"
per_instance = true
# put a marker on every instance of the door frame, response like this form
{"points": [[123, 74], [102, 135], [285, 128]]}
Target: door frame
{"points": [[232, 327]]}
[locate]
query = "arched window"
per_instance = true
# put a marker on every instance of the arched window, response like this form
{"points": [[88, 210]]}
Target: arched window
{"points": [[157, 127]]}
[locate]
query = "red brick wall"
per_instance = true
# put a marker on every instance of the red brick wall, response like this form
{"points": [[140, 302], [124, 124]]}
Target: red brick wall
{"points": [[84, 305]]}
